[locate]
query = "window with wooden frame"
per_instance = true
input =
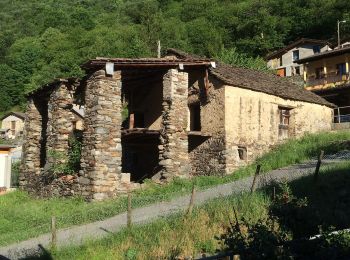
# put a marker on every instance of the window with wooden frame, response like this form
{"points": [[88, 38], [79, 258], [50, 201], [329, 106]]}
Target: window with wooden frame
{"points": [[284, 115]]}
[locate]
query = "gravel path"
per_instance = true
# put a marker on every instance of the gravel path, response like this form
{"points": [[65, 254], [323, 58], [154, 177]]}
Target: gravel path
{"points": [[76, 235]]}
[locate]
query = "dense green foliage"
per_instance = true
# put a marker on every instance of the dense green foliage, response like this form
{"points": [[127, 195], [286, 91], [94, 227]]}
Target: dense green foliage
{"points": [[42, 40], [22, 216]]}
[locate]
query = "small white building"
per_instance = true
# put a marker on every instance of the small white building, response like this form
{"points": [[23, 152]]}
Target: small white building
{"points": [[12, 125], [5, 166]]}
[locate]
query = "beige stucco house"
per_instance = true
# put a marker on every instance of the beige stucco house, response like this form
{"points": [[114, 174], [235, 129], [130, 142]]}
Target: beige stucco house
{"points": [[12, 125], [182, 116]]}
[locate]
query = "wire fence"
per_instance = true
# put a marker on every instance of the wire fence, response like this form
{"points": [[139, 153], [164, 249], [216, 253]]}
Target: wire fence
{"points": [[98, 211]]}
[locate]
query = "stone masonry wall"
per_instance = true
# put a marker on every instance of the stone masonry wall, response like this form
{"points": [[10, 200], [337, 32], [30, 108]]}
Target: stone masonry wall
{"points": [[100, 176], [30, 166], [207, 154], [60, 119], [252, 121], [173, 149]]}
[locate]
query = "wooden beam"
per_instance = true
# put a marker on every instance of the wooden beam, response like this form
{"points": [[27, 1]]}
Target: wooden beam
{"points": [[131, 120]]}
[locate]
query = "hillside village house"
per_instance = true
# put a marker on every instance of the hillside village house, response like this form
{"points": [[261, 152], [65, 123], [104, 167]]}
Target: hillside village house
{"points": [[284, 60], [160, 118], [327, 74], [12, 125]]}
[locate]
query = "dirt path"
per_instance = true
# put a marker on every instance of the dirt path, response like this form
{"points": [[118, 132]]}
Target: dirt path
{"points": [[76, 235]]}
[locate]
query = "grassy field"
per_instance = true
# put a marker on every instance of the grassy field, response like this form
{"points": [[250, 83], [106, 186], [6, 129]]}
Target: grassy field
{"points": [[22, 216], [198, 234]]}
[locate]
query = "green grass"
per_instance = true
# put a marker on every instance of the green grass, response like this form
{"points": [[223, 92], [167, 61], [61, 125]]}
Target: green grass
{"points": [[23, 217], [190, 236], [174, 235]]}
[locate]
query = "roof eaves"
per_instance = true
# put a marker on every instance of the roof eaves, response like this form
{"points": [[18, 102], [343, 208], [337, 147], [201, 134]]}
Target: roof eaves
{"points": [[294, 44], [312, 98], [52, 84], [324, 54], [17, 114]]}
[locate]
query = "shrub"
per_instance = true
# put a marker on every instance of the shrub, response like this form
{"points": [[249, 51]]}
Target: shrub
{"points": [[66, 163], [15, 170]]}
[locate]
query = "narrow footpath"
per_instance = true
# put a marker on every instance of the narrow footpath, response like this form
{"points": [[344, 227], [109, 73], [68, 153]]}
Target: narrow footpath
{"points": [[76, 235]]}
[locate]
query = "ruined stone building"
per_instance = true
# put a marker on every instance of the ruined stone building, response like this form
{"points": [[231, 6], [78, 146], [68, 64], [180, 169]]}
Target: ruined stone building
{"points": [[160, 118]]}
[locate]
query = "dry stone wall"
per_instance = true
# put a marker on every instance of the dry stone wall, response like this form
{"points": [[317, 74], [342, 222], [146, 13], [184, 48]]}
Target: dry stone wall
{"points": [[208, 156], [100, 176], [208, 153], [60, 119], [173, 149], [30, 166]]}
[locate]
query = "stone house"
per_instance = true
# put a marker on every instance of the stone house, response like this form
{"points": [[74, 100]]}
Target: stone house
{"points": [[161, 118], [12, 124], [284, 60]]}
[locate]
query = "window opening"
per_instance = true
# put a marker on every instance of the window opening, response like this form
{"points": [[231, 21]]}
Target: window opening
{"points": [[195, 117], [295, 55], [284, 114], [242, 153], [316, 49], [319, 73], [341, 69]]}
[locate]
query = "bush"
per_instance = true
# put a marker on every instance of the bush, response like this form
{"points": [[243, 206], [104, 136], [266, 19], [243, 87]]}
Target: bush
{"points": [[15, 169], [66, 163], [278, 236]]}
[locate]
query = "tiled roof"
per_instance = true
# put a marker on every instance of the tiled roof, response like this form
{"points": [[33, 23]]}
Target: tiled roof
{"points": [[259, 81], [147, 62], [265, 82], [17, 114]]}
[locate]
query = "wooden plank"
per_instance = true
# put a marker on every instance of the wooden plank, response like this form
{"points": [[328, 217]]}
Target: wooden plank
{"points": [[131, 120], [257, 171]]}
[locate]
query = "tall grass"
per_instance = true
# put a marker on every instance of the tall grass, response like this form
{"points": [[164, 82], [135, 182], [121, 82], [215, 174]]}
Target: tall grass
{"points": [[175, 235], [22, 216], [190, 236]]}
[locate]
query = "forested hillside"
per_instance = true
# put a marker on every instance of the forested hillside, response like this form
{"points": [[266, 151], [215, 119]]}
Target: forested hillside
{"points": [[41, 40]]}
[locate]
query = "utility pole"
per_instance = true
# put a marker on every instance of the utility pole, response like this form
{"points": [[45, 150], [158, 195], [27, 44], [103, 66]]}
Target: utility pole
{"points": [[158, 49], [338, 23]]}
